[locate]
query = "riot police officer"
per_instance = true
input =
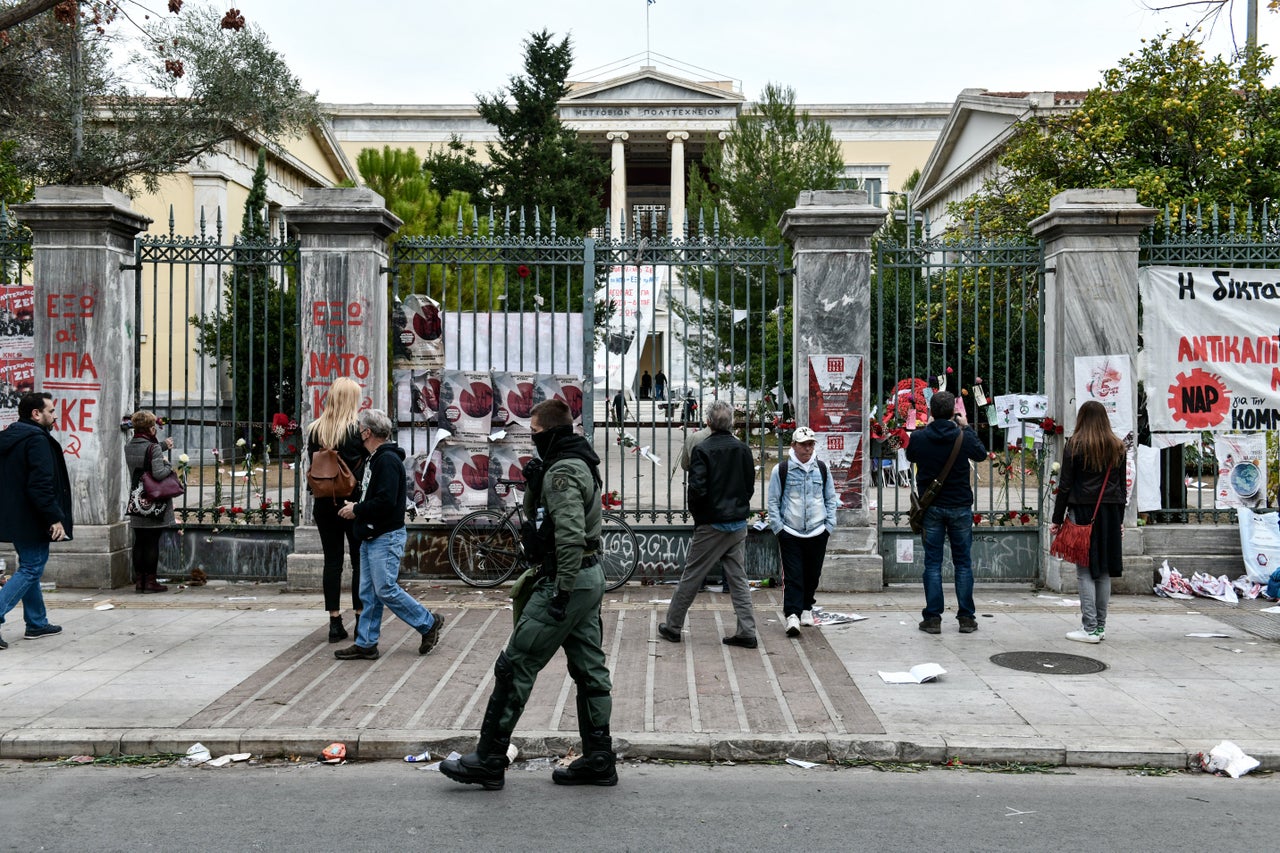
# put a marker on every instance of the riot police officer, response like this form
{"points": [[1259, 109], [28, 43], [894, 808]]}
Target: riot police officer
{"points": [[562, 612]]}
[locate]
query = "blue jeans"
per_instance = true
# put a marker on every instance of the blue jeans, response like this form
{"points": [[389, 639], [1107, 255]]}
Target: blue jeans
{"points": [[379, 571], [953, 523], [24, 586]]}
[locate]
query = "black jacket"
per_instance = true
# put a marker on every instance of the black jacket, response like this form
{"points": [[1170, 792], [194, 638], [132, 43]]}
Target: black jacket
{"points": [[37, 490], [382, 502], [1079, 487], [721, 480], [929, 449]]}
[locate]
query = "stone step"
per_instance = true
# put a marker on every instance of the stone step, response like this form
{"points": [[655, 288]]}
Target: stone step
{"points": [[1191, 539]]}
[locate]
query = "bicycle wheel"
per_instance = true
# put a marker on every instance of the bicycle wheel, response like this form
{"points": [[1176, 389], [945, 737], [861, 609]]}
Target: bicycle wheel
{"points": [[483, 548], [619, 551]]}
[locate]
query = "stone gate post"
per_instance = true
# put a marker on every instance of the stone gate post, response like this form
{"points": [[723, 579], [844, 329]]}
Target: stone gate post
{"points": [[830, 232], [343, 290], [1090, 240], [85, 327]]}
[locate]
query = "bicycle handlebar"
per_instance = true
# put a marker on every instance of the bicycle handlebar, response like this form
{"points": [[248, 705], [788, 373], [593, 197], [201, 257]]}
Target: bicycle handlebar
{"points": [[519, 484]]}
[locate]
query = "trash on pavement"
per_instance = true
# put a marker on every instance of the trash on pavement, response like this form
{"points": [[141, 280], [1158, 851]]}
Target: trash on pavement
{"points": [[1172, 583], [1063, 602], [224, 760], [822, 618], [1208, 634], [197, 753], [420, 757], [1247, 588], [106, 605], [798, 762], [334, 753], [1202, 583], [918, 674], [1227, 758], [1275, 609], [435, 765]]}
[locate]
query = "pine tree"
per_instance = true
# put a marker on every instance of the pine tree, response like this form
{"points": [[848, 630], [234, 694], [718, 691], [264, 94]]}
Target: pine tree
{"points": [[538, 163]]}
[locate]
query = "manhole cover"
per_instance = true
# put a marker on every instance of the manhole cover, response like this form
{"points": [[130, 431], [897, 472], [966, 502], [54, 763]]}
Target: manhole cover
{"points": [[1053, 663]]}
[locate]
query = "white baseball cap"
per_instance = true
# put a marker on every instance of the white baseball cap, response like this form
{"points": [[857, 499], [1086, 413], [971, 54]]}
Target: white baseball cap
{"points": [[803, 434]]}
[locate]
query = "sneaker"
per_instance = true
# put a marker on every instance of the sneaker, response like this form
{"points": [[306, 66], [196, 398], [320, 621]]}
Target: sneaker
{"points": [[744, 642], [1083, 636], [34, 633], [431, 636], [1100, 633], [806, 619], [793, 625], [968, 624], [354, 652], [931, 625], [672, 634]]}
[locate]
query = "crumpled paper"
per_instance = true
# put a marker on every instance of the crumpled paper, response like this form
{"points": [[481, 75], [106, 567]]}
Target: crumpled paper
{"points": [[1172, 583], [1227, 758]]}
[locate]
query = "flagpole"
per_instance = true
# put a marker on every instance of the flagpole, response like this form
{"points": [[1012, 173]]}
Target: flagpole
{"points": [[647, 59]]}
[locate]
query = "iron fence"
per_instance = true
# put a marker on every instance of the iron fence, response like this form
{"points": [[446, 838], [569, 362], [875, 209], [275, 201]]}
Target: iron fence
{"points": [[218, 362], [706, 313], [1216, 237], [964, 314]]}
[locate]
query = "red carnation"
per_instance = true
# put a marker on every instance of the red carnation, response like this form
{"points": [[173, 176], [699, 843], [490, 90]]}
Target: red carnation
{"points": [[522, 271], [977, 518]]}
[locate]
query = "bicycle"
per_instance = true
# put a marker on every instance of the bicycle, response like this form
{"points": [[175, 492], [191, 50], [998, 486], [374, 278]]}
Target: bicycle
{"points": [[485, 548]]}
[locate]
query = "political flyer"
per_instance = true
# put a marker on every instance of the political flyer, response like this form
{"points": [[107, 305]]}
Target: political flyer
{"points": [[835, 393]]}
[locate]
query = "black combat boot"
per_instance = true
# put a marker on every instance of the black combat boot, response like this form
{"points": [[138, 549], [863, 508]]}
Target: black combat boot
{"points": [[596, 766], [486, 766]]}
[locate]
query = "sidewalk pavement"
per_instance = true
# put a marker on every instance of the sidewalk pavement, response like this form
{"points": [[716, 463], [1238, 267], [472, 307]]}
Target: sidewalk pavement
{"points": [[247, 668]]}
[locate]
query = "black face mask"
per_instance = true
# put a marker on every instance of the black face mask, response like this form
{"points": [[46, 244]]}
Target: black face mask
{"points": [[546, 439]]}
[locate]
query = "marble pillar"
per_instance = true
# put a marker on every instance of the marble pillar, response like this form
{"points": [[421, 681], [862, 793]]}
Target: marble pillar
{"points": [[830, 232], [675, 210], [618, 185], [84, 349], [1090, 242], [342, 236]]}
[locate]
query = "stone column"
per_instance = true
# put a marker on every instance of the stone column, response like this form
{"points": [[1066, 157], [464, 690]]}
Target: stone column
{"points": [[85, 340], [830, 232], [342, 237], [1090, 240], [618, 185], [675, 210]]}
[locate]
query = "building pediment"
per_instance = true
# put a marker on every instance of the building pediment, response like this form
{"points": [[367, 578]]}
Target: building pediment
{"points": [[650, 94]]}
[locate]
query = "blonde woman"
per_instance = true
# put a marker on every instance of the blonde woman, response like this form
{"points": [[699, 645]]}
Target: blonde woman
{"points": [[143, 449], [1093, 477], [337, 429]]}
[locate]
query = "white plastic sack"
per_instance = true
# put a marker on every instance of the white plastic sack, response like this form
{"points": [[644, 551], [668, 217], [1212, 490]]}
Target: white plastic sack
{"points": [[1260, 543], [1228, 758]]}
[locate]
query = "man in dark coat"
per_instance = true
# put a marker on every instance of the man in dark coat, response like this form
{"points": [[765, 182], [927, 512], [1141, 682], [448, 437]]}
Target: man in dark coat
{"points": [[950, 516], [35, 507]]}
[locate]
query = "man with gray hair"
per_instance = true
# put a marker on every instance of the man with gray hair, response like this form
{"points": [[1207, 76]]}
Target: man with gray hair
{"points": [[721, 483], [379, 523]]}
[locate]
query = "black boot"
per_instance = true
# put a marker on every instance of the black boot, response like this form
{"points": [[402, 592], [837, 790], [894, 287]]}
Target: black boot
{"points": [[336, 631], [596, 766], [487, 766]]}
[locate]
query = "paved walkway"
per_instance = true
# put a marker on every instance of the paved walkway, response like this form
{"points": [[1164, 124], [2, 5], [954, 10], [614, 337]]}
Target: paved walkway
{"points": [[247, 668]]}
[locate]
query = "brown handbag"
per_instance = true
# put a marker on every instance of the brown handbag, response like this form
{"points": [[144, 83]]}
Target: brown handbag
{"points": [[1072, 542]]}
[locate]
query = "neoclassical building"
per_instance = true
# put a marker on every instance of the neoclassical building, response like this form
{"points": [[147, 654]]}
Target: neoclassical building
{"points": [[654, 127]]}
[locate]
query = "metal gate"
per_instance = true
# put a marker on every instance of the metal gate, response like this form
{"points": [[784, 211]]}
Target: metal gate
{"points": [[707, 313], [218, 361], [961, 313]]}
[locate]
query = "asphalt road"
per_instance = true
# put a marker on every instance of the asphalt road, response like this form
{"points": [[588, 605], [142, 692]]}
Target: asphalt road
{"points": [[392, 806]]}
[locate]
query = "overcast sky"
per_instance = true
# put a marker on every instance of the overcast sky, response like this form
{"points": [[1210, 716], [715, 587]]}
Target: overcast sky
{"points": [[830, 51]]}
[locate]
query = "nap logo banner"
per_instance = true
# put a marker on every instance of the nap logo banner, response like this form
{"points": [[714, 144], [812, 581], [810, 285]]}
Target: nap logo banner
{"points": [[1211, 348]]}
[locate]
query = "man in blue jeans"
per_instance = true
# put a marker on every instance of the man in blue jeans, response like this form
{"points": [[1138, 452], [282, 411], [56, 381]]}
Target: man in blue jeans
{"points": [[35, 507], [379, 522], [950, 516]]}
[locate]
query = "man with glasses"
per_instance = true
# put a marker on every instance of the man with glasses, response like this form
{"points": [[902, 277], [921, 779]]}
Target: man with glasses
{"points": [[379, 522], [563, 612]]}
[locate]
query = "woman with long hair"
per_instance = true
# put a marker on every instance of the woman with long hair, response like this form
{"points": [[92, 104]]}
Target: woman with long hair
{"points": [[142, 450], [1093, 475], [337, 429]]}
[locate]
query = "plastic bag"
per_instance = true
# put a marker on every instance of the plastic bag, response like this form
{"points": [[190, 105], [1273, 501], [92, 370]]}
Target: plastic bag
{"points": [[1227, 758], [1172, 583], [1259, 542]]}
